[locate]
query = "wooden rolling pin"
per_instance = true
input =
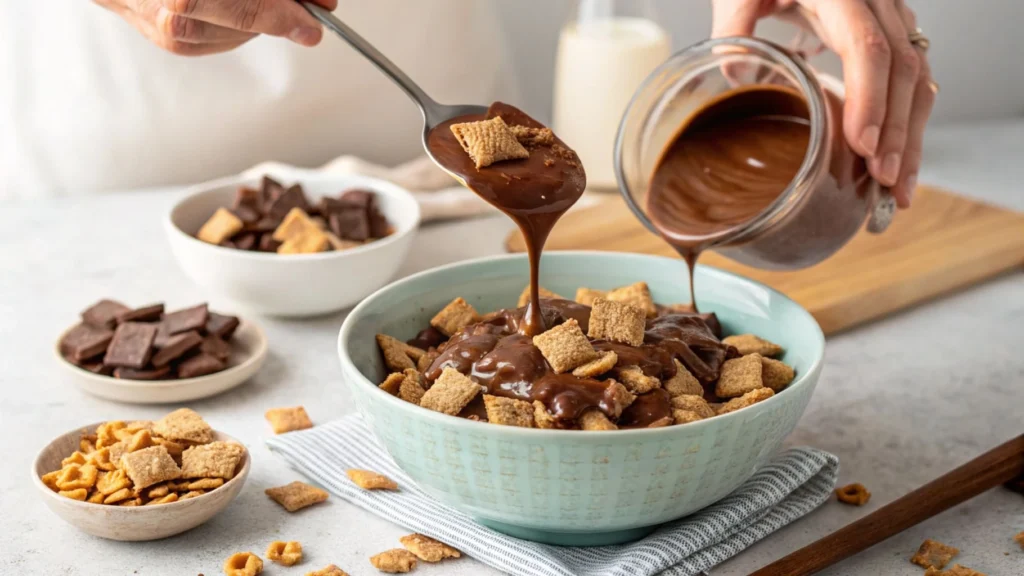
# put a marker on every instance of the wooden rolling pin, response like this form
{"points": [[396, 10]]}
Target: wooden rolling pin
{"points": [[1000, 465]]}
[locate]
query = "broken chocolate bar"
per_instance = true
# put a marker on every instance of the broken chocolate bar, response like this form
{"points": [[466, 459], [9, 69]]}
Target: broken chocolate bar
{"points": [[103, 314], [184, 320], [176, 347], [131, 346]]}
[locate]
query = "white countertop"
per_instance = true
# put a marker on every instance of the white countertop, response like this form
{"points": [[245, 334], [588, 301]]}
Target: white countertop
{"points": [[901, 401]]}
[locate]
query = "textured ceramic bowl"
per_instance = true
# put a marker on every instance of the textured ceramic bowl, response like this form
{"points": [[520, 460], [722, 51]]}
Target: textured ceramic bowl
{"points": [[574, 487], [134, 523], [293, 284]]}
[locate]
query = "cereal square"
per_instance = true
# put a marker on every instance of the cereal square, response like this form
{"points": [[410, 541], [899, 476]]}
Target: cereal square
{"points": [[296, 496], [619, 397], [454, 317], [739, 376], [184, 424], [751, 344], [395, 561], [637, 294], [427, 549], [489, 141], [393, 383], [425, 361], [683, 382], [542, 418], [662, 422], [288, 419], [221, 226], [508, 411], [524, 296], [284, 553], [565, 346], [149, 466], [396, 355], [954, 570], [691, 403], [604, 362], [309, 241], [533, 137], [617, 321], [776, 374], [296, 223], [411, 388], [1019, 539], [451, 392], [243, 564], [369, 480], [213, 460], [329, 570], [635, 380], [685, 417], [853, 494], [596, 420], [587, 296], [748, 399], [933, 554]]}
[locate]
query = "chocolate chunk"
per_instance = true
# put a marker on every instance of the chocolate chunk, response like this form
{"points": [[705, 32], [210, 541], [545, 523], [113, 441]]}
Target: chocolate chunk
{"points": [[262, 225], [330, 205], [429, 337], [216, 347], [176, 347], [249, 200], [144, 374], [350, 225], [149, 313], [131, 346], [268, 244], [361, 198], [379, 225], [199, 365], [162, 335], [103, 314], [97, 368], [227, 244], [84, 341], [184, 320], [221, 325], [272, 190], [245, 241], [246, 214], [292, 198]]}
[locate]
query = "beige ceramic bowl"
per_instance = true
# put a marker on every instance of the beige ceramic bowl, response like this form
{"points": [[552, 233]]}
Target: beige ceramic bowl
{"points": [[132, 523]]}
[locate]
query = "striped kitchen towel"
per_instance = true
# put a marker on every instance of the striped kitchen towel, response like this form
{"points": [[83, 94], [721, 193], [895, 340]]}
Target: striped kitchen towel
{"points": [[795, 482]]}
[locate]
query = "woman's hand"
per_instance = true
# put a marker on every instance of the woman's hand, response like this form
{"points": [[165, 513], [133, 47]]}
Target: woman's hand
{"points": [[199, 27], [889, 89]]}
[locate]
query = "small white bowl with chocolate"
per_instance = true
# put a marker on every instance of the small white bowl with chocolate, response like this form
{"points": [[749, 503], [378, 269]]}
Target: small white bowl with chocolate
{"points": [[296, 246]]}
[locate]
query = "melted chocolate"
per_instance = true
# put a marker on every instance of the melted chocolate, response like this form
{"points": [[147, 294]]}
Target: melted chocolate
{"points": [[534, 191], [428, 338], [647, 409]]}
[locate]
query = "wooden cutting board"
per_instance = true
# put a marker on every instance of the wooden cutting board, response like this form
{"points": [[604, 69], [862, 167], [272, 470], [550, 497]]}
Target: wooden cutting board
{"points": [[946, 242]]}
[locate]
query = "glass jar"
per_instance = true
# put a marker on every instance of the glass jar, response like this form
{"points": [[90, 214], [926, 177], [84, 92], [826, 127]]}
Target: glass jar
{"points": [[824, 205]]}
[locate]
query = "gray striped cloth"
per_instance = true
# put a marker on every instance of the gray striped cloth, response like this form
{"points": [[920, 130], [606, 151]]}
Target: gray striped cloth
{"points": [[795, 482]]}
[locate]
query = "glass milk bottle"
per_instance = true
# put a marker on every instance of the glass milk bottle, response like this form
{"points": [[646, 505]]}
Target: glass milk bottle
{"points": [[603, 56]]}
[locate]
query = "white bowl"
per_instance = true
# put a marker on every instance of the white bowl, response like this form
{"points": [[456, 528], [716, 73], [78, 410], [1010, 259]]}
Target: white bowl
{"points": [[293, 284], [248, 352], [132, 523]]}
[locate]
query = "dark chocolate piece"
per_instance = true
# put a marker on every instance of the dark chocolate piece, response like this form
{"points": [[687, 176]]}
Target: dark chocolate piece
{"points": [[131, 346], [268, 244], [246, 214], [330, 205], [272, 190], [227, 244], [144, 374], [199, 365], [245, 241], [216, 347], [292, 198], [84, 341], [249, 200], [97, 368], [103, 314], [184, 320], [221, 325], [350, 225], [149, 313], [176, 347], [361, 198], [262, 225], [162, 335], [379, 225]]}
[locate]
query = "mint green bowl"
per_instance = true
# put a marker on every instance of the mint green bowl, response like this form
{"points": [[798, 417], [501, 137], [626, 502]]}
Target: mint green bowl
{"points": [[572, 487]]}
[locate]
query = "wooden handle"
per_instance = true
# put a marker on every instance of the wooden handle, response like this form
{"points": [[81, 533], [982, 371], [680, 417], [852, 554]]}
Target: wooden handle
{"points": [[999, 465]]}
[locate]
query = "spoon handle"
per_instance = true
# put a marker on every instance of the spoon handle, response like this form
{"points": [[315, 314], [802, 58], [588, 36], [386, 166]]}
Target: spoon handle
{"points": [[426, 104]]}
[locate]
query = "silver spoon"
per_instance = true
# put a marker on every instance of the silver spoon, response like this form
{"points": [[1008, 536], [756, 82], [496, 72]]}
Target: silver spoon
{"points": [[433, 112]]}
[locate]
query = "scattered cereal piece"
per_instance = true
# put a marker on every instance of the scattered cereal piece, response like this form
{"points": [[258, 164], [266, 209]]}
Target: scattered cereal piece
{"points": [[855, 495], [213, 460], [751, 344], [149, 466], [184, 424], [206, 484], [119, 496], [284, 553], [533, 137], [637, 294], [427, 549], [395, 356], [508, 411], [221, 226], [395, 561], [617, 321], [111, 482], [369, 480], [931, 554], [596, 420], [542, 418], [243, 564], [636, 381], [693, 403], [489, 141], [565, 346], [1019, 539], [329, 570], [454, 317], [683, 383], [586, 296], [411, 389], [393, 383], [451, 392], [524, 296], [172, 497], [955, 570], [685, 416], [75, 476], [604, 362], [748, 399], [296, 496], [76, 494], [776, 374], [288, 419], [739, 376]]}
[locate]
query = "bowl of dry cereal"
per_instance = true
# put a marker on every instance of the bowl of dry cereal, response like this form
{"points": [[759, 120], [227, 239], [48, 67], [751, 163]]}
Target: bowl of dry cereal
{"points": [[141, 480], [625, 410]]}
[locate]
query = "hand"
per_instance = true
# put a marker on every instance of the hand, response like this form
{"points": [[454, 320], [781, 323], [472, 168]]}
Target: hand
{"points": [[200, 27], [889, 89]]}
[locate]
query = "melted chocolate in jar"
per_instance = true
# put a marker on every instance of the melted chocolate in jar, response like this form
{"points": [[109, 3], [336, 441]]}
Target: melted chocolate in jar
{"points": [[534, 191]]}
